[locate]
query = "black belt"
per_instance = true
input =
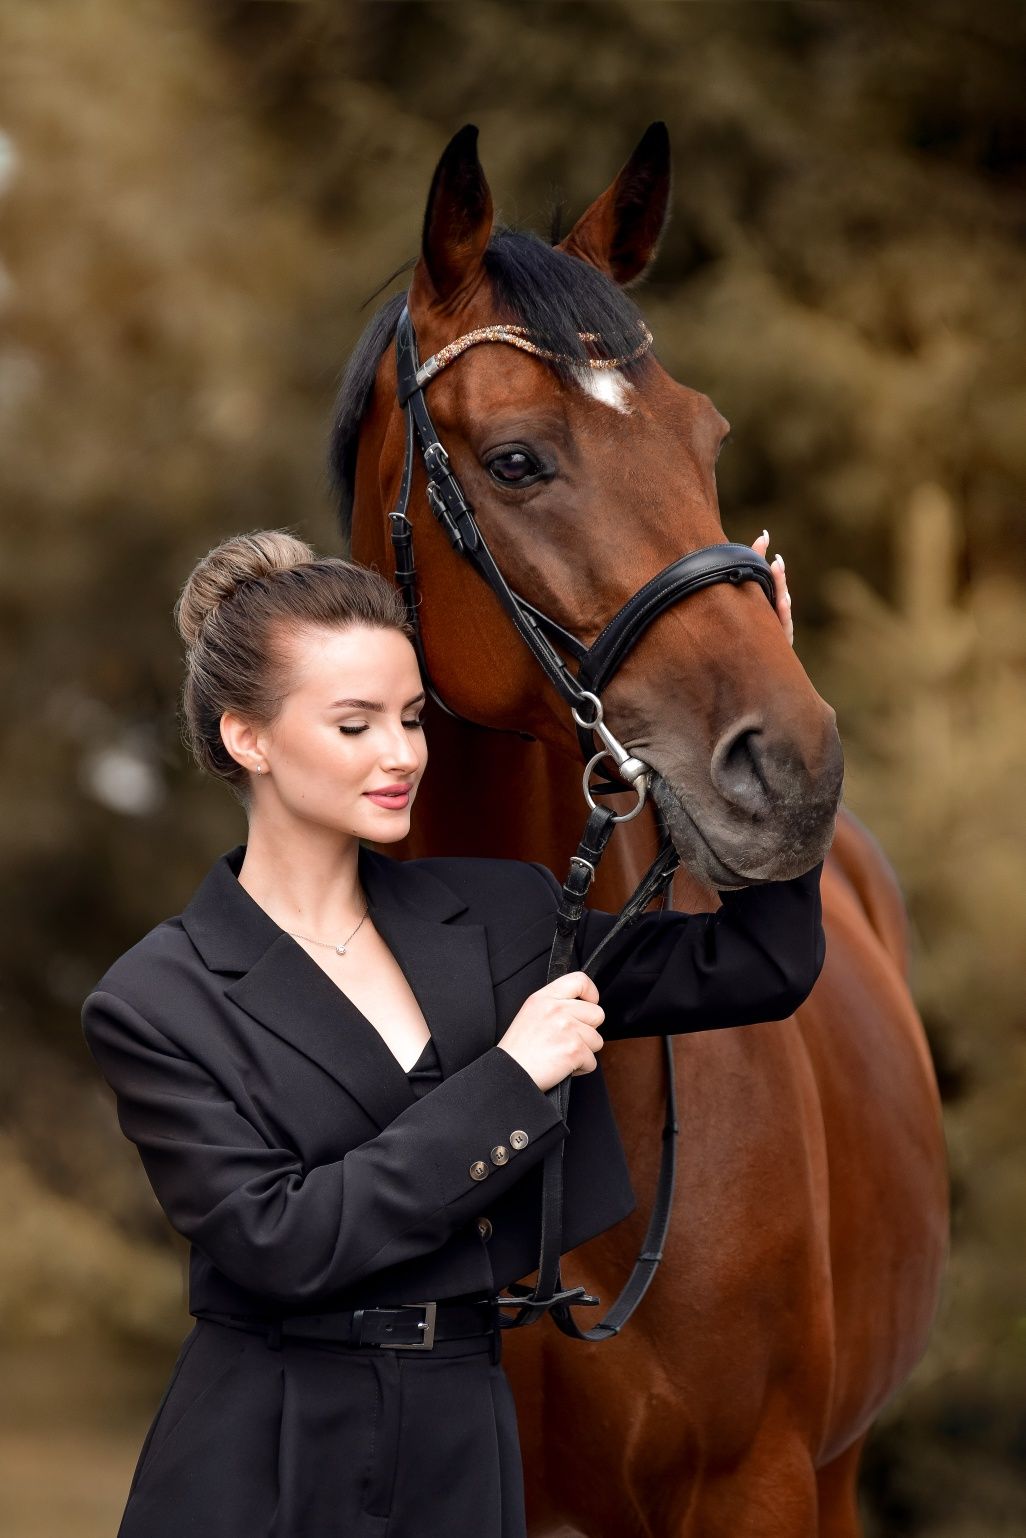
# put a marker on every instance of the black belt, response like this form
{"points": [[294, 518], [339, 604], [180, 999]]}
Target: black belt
{"points": [[398, 1326]]}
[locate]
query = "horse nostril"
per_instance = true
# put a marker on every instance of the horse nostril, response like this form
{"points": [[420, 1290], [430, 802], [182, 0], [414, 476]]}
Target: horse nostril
{"points": [[738, 768]]}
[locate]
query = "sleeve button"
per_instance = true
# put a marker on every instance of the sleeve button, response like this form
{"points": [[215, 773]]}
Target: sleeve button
{"points": [[519, 1139], [500, 1154], [484, 1228], [478, 1170]]}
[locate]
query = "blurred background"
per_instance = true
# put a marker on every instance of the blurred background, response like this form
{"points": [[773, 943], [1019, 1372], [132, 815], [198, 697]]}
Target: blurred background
{"points": [[196, 198]]}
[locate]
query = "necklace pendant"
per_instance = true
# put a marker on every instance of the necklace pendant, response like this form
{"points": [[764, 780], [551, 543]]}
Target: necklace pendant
{"points": [[340, 950]]}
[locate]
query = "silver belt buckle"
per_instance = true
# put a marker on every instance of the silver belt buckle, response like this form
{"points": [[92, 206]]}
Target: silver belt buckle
{"points": [[430, 1310]]}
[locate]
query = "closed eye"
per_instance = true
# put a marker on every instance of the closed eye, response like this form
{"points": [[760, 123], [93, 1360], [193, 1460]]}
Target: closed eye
{"points": [[353, 731]]}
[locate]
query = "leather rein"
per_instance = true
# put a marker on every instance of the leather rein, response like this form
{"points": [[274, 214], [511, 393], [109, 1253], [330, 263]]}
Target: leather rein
{"points": [[596, 664]]}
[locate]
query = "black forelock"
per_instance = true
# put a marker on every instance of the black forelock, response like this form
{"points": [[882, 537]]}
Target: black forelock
{"points": [[555, 295]]}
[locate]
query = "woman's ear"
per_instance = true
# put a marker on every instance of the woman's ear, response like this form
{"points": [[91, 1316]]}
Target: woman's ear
{"points": [[620, 232], [457, 226]]}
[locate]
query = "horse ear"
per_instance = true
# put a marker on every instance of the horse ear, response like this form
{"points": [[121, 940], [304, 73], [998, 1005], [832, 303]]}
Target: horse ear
{"points": [[457, 222], [619, 233]]}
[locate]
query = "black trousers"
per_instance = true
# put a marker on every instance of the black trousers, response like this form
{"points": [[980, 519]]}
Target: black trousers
{"points": [[321, 1440]]}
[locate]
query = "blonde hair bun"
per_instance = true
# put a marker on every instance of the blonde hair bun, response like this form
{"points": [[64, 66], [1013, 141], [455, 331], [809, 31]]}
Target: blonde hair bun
{"points": [[219, 574]]}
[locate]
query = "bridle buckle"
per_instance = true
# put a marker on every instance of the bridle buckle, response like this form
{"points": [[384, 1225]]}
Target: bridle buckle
{"points": [[577, 859], [436, 458]]}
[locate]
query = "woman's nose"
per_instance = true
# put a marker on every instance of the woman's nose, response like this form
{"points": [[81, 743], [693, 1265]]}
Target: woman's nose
{"points": [[402, 752]]}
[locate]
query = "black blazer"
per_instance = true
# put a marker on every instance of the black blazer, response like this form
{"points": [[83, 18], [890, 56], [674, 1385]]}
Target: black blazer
{"points": [[281, 1135]]}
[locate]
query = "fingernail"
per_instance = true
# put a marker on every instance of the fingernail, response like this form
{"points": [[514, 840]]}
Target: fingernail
{"points": [[764, 534], [775, 561], [787, 598]]}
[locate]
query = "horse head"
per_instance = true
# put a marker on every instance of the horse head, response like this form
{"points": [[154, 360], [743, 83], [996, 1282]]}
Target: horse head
{"points": [[589, 469]]}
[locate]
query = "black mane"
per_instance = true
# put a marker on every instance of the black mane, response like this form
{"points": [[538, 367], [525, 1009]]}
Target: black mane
{"points": [[555, 295]]}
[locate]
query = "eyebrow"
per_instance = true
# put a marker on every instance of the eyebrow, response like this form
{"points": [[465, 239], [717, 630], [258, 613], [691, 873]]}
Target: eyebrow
{"points": [[376, 704]]}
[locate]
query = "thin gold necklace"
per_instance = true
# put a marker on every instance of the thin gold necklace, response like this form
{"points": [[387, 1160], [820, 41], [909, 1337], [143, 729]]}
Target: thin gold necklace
{"points": [[339, 950]]}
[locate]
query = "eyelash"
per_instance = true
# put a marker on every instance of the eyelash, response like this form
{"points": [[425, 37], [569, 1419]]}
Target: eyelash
{"points": [[353, 731]]}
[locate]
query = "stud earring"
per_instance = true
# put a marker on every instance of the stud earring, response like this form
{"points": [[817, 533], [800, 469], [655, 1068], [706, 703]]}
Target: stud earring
{"points": [[259, 768]]}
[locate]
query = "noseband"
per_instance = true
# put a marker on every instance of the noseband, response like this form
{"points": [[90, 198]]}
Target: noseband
{"points": [[596, 665]]}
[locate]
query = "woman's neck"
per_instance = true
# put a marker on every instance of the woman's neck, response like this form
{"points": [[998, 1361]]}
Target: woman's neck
{"points": [[306, 880]]}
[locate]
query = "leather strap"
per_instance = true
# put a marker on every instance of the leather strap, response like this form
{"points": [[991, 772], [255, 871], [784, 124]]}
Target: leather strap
{"points": [[549, 1292], [399, 1325]]}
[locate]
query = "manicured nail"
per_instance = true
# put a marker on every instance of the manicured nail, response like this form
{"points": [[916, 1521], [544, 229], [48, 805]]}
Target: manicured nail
{"points": [[787, 598], [765, 535], [776, 560]]}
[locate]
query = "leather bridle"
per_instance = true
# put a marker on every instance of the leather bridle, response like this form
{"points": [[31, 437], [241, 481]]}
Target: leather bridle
{"points": [[596, 665]]}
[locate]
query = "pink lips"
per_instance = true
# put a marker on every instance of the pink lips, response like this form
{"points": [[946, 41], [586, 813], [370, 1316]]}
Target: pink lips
{"points": [[395, 801]]}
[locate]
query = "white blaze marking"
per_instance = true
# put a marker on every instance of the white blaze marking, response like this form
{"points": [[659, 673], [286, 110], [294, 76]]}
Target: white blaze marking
{"points": [[607, 386]]}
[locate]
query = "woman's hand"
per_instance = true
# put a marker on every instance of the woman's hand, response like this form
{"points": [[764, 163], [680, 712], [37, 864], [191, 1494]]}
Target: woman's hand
{"points": [[555, 1032], [783, 597]]}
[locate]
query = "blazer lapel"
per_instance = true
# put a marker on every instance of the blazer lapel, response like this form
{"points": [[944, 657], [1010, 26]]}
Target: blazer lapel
{"points": [[283, 988]]}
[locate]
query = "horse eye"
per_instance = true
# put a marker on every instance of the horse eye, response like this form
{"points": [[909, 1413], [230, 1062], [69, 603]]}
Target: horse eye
{"points": [[514, 467]]}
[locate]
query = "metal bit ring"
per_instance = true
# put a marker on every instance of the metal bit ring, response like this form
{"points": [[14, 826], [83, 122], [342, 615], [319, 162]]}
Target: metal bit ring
{"points": [[640, 786], [586, 694]]}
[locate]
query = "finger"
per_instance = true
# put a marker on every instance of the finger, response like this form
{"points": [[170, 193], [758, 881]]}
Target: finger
{"points": [[589, 989], [761, 543], [782, 596], [573, 985], [780, 593]]}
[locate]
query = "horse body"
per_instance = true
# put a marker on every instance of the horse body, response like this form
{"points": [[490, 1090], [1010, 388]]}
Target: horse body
{"points": [[809, 1229]]}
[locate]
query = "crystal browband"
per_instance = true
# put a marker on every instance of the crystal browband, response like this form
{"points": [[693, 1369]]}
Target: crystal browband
{"points": [[520, 336]]}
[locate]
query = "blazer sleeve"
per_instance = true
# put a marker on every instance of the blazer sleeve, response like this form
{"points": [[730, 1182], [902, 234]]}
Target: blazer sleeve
{"points": [[295, 1233], [756, 958]]}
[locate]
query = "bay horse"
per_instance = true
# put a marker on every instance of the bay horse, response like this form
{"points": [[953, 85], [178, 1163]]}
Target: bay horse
{"points": [[810, 1219]]}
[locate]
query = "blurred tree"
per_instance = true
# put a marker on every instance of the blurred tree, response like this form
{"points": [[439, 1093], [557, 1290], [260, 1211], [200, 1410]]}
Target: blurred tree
{"points": [[198, 198]]}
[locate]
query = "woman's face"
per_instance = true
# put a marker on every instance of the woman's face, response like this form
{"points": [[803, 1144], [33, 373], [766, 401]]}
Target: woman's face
{"points": [[325, 753]]}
